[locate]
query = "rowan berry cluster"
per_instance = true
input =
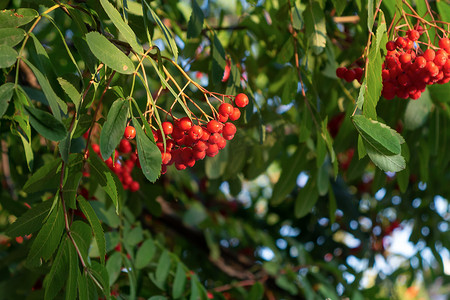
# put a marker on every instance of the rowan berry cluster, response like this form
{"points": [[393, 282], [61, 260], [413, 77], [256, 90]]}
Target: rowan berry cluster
{"points": [[407, 70], [350, 74], [125, 159], [186, 142]]}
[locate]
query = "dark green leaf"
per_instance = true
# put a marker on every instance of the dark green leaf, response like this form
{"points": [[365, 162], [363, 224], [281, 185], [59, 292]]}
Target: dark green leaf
{"points": [[55, 280], [114, 266], [134, 236], [339, 5], [297, 16], [101, 274], [22, 16], [145, 253], [148, 153], [48, 238], [167, 34], [47, 125], [114, 127], [287, 181], [218, 61], [70, 85], [163, 268], [83, 292], [123, 27], [8, 56], [31, 221], [370, 18], [109, 54], [388, 163], [82, 235], [93, 220], [54, 101], [6, 93], [417, 111], [306, 199], [71, 285], [73, 178], [179, 282], [11, 36], [40, 180], [256, 292], [28, 151], [315, 26], [378, 135], [104, 177], [131, 276], [444, 10], [216, 166], [195, 24]]}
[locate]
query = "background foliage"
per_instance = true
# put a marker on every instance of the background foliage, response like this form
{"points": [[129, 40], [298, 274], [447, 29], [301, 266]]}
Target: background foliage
{"points": [[286, 211]]}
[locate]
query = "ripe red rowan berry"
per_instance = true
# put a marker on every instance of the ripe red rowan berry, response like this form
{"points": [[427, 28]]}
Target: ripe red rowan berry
{"points": [[226, 109], [167, 127], [130, 132], [241, 100], [184, 123]]}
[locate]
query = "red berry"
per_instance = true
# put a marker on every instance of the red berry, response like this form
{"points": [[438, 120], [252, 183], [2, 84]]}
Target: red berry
{"points": [[200, 146], [166, 157], [349, 75], [432, 69], [235, 115], [214, 126], [130, 132], [223, 141], [167, 127], [241, 100], [444, 43], [358, 74], [96, 148], [401, 42], [440, 60], [124, 146], [226, 109], [405, 58], [134, 186], [214, 138], [229, 129], [340, 72], [222, 118], [429, 54], [198, 155], [413, 35], [420, 62], [196, 132], [205, 136], [184, 123], [390, 46]]}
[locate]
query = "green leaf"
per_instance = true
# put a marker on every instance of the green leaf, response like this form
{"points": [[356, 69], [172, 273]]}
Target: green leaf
{"points": [[297, 17], [134, 236], [11, 36], [163, 268], [123, 27], [361, 150], [339, 5], [417, 111], [306, 199], [378, 135], [31, 221], [361, 95], [444, 10], [6, 93], [93, 220], [131, 276], [22, 16], [114, 266], [179, 282], [148, 153], [216, 166], [54, 101], [256, 292], [167, 34], [55, 280], [370, 17], [48, 238], [388, 163], [28, 151], [71, 285], [145, 253], [218, 60], [323, 180], [8, 56], [82, 235], [104, 177], [195, 24], [288, 177], [46, 177], [70, 85], [83, 292], [114, 127], [45, 124], [101, 274], [109, 54], [373, 80], [315, 26]]}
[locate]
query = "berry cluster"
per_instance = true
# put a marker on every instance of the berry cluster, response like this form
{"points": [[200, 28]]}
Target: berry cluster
{"points": [[186, 143], [349, 74], [407, 70], [125, 161]]}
